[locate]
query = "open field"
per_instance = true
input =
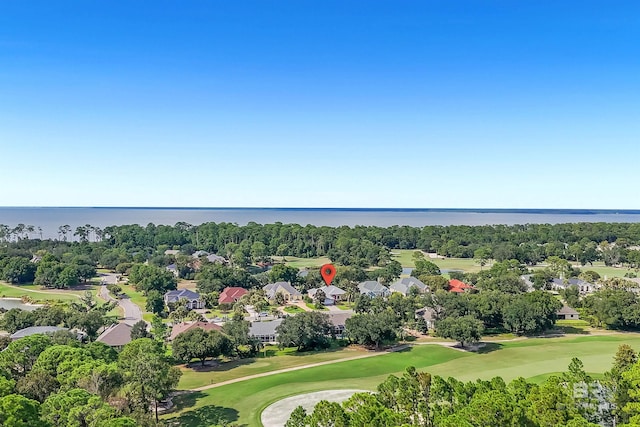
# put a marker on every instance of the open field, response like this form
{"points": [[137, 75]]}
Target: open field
{"points": [[243, 402], [302, 262]]}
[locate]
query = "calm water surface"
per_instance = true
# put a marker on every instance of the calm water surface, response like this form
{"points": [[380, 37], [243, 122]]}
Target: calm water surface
{"points": [[49, 219]]}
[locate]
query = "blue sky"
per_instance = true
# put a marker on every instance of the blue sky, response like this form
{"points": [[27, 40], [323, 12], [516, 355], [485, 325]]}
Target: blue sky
{"points": [[496, 104]]}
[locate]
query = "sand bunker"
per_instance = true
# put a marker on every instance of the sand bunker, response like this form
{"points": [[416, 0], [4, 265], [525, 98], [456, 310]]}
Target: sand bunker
{"points": [[277, 414]]}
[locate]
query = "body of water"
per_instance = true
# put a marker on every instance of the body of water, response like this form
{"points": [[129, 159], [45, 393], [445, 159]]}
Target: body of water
{"points": [[9, 303], [49, 219]]}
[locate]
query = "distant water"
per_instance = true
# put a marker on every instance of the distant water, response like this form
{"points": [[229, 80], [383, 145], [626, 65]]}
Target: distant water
{"points": [[49, 219], [9, 303]]}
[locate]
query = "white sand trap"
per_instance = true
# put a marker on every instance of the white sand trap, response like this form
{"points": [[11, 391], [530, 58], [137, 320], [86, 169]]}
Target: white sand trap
{"points": [[277, 414]]}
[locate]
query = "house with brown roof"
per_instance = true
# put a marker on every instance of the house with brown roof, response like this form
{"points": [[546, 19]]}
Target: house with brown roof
{"points": [[180, 328], [117, 336], [339, 321], [231, 295]]}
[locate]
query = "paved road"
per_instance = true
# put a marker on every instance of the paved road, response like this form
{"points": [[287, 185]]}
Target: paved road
{"points": [[132, 312]]}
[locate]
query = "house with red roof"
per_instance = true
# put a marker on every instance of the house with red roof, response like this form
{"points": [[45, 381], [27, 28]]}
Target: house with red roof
{"points": [[458, 286], [180, 328], [231, 295]]}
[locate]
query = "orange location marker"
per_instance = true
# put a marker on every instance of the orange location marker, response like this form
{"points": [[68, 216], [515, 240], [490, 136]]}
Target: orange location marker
{"points": [[328, 272]]}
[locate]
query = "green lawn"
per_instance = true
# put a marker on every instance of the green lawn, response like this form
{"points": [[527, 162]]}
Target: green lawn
{"points": [[312, 306], [26, 290], [468, 265], [244, 401], [136, 297], [276, 359], [293, 309], [302, 262]]}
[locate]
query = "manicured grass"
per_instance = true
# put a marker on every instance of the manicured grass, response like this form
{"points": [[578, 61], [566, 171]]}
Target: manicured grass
{"points": [[345, 306], [293, 309], [244, 401], [276, 359], [136, 297], [302, 262], [312, 306], [468, 265], [19, 291]]}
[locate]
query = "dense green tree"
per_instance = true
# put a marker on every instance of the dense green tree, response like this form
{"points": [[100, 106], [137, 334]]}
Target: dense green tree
{"points": [[306, 331], [147, 371], [148, 278], [466, 329], [18, 270], [139, 330], [372, 329], [18, 411]]}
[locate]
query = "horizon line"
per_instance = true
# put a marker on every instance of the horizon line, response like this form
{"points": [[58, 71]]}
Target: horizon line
{"points": [[434, 209]]}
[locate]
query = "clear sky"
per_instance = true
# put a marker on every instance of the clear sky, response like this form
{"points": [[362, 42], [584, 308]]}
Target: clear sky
{"points": [[496, 104]]}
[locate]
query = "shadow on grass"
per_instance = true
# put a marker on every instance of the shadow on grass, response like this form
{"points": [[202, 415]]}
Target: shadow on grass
{"points": [[220, 367], [489, 347], [205, 416], [572, 330]]}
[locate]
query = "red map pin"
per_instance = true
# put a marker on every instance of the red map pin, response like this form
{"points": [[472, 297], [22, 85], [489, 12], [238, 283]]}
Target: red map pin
{"points": [[328, 272]]}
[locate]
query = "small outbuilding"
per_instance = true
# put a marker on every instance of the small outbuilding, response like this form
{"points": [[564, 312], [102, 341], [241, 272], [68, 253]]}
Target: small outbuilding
{"points": [[567, 313]]}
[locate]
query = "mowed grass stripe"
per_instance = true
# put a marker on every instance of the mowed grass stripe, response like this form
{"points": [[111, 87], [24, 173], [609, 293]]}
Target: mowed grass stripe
{"points": [[529, 358]]}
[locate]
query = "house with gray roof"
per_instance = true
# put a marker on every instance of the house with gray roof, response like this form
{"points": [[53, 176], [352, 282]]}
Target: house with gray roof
{"points": [[583, 287], [265, 331], [332, 294], [289, 292], [33, 330], [173, 269], [338, 321], [116, 336], [193, 298], [373, 289], [406, 283]]}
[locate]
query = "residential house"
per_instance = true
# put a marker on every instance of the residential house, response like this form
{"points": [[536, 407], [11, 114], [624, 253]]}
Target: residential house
{"points": [[216, 259], [172, 252], [231, 295], [116, 336], [458, 286], [182, 327], [373, 289], [173, 269], [429, 315], [332, 294], [526, 278], [193, 298], [339, 320], [265, 331], [289, 292], [567, 313], [404, 285], [33, 330], [583, 287], [198, 254]]}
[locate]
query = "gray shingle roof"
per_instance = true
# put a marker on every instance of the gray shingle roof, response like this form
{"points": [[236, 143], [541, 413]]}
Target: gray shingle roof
{"points": [[32, 330], [177, 295], [264, 328], [372, 286], [329, 291], [403, 285]]}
